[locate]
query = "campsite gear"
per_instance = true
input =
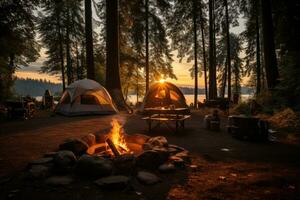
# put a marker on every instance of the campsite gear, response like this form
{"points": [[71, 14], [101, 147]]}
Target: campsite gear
{"points": [[164, 95], [20, 109], [85, 97], [48, 101], [166, 116], [207, 120], [212, 121], [248, 127]]}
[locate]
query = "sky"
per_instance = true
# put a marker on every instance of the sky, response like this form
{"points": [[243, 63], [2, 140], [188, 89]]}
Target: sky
{"points": [[181, 69]]}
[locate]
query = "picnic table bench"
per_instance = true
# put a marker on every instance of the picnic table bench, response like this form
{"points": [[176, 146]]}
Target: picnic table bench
{"points": [[166, 116]]}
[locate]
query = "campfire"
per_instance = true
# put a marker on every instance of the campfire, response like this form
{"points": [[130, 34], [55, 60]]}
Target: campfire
{"points": [[116, 142]]}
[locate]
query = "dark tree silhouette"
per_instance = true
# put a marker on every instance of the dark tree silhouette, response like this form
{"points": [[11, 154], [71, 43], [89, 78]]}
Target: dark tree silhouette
{"points": [[270, 61], [113, 83], [89, 40], [212, 58]]}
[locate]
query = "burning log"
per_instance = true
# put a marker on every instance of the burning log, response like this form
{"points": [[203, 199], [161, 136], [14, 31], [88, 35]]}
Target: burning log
{"points": [[112, 147]]}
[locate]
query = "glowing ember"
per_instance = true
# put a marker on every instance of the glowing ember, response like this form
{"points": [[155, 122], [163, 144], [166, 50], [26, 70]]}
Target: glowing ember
{"points": [[117, 138]]}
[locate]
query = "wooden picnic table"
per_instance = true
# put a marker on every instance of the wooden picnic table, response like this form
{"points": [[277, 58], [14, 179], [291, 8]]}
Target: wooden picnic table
{"points": [[166, 116]]}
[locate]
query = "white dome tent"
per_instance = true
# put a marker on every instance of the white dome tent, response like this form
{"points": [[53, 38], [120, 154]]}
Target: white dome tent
{"points": [[85, 97]]}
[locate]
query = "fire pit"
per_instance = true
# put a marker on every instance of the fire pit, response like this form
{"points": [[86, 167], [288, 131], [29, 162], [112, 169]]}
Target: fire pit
{"points": [[112, 158], [117, 142]]}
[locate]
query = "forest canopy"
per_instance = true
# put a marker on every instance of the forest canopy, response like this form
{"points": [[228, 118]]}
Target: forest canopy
{"points": [[147, 35]]}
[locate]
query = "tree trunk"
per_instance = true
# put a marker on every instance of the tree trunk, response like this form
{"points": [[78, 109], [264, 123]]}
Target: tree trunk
{"points": [[224, 80], [212, 65], [228, 51], [113, 83], [137, 86], [203, 52], [195, 53], [272, 74], [258, 68], [147, 43], [89, 40], [61, 53], [68, 51]]}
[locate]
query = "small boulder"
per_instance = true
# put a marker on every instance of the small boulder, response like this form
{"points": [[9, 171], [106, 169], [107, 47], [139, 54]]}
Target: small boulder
{"points": [[125, 164], [163, 152], [59, 180], [64, 160], [158, 141], [177, 161], [94, 166], [113, 182], [147, 146], [147, 178], [39, 171], [150, 159], [90, 139], [77, 146], [173, 149], [166, 168], [183, 155]]}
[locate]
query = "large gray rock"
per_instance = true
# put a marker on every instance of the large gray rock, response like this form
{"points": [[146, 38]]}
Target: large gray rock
{"points": [[64, 160], [77, 146], [39, 171], [147, 178], [94, 166], [150, 159], [158, 141], [59, 180], [113, 182], [90, 139], [125, 164]]}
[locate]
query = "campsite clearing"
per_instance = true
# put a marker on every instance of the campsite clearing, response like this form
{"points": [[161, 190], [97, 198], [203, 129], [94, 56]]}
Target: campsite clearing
{"points": [[221, 165]]}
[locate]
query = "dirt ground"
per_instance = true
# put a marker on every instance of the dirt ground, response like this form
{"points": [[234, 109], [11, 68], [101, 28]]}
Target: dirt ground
{"points": [[226, 168]]}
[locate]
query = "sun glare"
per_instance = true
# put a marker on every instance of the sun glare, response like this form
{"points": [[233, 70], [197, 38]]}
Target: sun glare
{"points": [[162, 80]]}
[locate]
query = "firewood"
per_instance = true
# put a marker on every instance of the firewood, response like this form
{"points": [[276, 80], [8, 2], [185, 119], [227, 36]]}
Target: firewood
{"points": [[112, 147]]}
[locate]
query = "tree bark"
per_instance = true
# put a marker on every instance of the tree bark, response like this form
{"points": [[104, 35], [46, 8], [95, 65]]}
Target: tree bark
{"points": [[272, 74], [203, 52], [258, 67], [147, 43], [195, 53], [212, 65], [68, 51], [113, 82], [89, 40], [228, 51], [224, 80], [61, 53]]}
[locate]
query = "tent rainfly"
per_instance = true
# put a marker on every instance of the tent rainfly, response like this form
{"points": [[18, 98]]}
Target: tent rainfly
{"points": [[164, 94], [85, 97]]}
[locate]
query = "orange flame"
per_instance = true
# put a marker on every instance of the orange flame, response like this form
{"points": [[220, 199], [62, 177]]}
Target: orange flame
{"points": [[117, 137]]}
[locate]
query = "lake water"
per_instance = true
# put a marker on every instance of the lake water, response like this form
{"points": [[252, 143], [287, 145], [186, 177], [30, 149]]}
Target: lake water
{"points": [[189, 98]]}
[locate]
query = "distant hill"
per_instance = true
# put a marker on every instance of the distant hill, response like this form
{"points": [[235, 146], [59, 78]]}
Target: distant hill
{"points": [[35, 88]]}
